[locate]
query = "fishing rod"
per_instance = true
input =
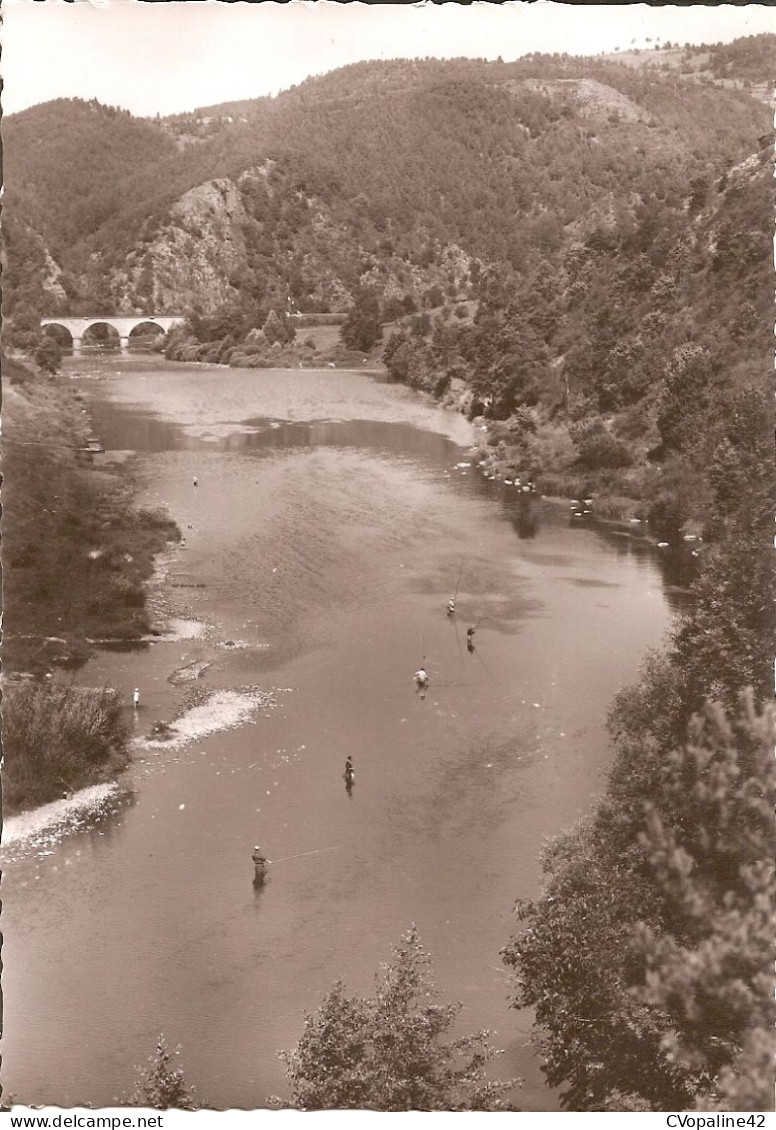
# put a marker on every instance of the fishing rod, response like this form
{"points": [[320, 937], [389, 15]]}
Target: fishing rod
{"points": [[299, 854], [484, 664], [458, 640], [455, 683], [458, 582]]}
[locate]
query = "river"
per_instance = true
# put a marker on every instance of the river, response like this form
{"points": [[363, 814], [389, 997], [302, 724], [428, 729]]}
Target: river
{"points": [[331, 522]]}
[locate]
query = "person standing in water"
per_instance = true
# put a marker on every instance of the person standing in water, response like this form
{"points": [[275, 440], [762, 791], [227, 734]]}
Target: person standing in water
{"points": [[421, 677], [349, 770], [451, 606], [136, 697], [196, 481], [260, 862]]}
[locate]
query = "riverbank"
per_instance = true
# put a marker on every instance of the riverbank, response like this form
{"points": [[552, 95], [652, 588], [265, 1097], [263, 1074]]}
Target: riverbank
{"points": [[77, 556], [77, 551], [523, 447]]}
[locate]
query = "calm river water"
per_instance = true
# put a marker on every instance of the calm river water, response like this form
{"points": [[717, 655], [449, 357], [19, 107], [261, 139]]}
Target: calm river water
{"points": [[329, 527]]}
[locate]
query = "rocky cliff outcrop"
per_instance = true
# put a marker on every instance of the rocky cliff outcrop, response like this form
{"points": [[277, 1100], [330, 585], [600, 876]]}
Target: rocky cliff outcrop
{"points": [[193, 255]]}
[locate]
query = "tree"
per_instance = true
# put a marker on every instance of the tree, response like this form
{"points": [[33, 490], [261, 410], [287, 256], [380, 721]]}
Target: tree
{"points": [[725, 638], [710, 844], [362, 329], [596, 445], [387, 1052], [162, 1085], [48, 355], [648, 957], [278, 327], [574, 964], [688, 387]]}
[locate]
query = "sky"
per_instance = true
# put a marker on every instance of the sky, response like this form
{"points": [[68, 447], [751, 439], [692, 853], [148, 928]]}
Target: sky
{"points": [[167, 58]]}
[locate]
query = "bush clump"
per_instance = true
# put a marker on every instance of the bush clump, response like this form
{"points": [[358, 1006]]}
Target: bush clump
{"points": [[57, 738]]}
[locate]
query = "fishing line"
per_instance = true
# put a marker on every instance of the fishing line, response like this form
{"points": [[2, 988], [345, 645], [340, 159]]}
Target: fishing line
{"points": [[299, 854], [484, 664], [458, 582]]}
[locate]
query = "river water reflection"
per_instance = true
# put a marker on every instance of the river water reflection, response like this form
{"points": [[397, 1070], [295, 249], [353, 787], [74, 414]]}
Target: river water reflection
{"points": [[330, 524]]}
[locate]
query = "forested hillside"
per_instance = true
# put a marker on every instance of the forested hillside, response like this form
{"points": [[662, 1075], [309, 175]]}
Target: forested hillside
{"points": [[402, 177], [611, 362]]}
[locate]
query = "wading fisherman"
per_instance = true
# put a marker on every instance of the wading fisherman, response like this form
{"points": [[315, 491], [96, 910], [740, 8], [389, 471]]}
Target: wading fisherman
{"points": [[451, 606], [470, 635], [136, 697], [196, 481], [350, 772], [260, 862], [421, 678]]}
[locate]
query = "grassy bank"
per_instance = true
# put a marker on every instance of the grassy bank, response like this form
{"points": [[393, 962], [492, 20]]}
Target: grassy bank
{"points": [[76, 551], [57, 739]]}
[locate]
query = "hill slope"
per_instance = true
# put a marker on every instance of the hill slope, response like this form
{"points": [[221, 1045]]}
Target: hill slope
{"points": [[322, 186]]}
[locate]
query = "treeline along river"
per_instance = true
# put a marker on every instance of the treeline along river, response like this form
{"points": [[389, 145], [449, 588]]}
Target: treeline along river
{"points": [[330, 524]]}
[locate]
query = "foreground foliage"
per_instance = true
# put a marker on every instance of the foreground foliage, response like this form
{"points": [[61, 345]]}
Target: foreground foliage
{"points": [[162, 1084], [388, 1052]]}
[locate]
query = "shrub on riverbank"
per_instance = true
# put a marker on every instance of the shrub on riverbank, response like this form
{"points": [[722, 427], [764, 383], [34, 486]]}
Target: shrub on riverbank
{"points": [[57, 739]]}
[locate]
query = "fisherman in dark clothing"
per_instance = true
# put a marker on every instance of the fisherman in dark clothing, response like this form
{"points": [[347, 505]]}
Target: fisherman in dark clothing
{"points": [[349, 771], [260, 862]]}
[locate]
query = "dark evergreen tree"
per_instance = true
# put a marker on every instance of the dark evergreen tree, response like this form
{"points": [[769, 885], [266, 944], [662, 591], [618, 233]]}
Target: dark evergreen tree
{"points": [[362, 328], [48, 355]]}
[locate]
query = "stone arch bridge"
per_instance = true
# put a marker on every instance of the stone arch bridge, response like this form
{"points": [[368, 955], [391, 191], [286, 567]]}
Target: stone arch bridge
{"points": [[77, 327]]}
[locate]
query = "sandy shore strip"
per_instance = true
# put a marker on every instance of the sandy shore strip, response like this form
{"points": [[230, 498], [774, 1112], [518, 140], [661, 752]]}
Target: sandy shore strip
{"points": [[45, 826]]}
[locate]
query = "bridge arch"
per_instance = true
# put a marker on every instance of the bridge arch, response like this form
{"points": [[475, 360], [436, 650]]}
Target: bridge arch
{"points": [[59, 332], [147, 328], [101, 332]]}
